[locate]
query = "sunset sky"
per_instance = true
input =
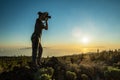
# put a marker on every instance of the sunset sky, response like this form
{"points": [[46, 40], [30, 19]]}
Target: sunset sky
{"points": [[74, 23]]}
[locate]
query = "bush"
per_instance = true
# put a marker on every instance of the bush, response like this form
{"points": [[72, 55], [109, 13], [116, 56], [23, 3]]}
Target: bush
{"points": [[84, 77], [45, 77], [92, 57], [71, 75], [112, 73], [44, 74], [1, 69], [50, 71]]}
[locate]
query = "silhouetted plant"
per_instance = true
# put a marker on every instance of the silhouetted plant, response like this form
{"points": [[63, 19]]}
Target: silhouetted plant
{"points": [[112, 73], [72, 60], [44, 74], [70, 75], [1, 69], [45, 77], [84, 77], [92, 57]]}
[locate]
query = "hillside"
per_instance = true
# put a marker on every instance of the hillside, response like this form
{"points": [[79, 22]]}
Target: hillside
{"points": [[94, 66]]}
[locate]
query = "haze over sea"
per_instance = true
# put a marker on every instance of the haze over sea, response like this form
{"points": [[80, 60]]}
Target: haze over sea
{"points": [[28, 52], [46, 51]]}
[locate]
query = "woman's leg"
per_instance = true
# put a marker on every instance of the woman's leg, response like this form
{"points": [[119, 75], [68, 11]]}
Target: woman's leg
{"points": [[34, 49], [40, 53]]}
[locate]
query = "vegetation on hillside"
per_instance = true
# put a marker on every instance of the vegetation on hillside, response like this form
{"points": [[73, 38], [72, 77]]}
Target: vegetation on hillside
{"points": [[103, 65]]}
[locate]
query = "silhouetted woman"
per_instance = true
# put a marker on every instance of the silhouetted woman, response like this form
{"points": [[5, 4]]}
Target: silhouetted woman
{"points": [[36, 37]]}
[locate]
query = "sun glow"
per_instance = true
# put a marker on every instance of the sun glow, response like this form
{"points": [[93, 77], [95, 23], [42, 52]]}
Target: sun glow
{"points": [[85, 40], [80, 36]]}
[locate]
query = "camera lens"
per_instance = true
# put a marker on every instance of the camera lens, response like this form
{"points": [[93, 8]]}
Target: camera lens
{"points": [[49, 16]]}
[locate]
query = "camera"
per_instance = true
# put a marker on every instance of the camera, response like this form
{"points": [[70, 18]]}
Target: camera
{"points": [[44, 14]]}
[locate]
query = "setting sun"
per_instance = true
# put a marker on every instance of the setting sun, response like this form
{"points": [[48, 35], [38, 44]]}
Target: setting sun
{"points": [[85, 40]]}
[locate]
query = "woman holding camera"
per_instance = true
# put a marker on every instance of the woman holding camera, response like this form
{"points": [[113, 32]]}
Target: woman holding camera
{"points": [[36, 37]]}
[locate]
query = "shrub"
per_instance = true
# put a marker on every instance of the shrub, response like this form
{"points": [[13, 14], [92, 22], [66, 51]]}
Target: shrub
{"points": [[1, 69], [84, 77], [44, 74], [45, 77], [112, 73], [71, 75], [50, 71], [92, 57]]}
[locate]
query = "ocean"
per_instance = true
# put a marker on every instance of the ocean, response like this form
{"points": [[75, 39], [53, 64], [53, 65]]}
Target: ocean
{"points": [[47, 52]]}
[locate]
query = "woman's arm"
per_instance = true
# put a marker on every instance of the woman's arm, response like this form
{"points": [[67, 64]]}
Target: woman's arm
{"points": [[45, 25]]}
